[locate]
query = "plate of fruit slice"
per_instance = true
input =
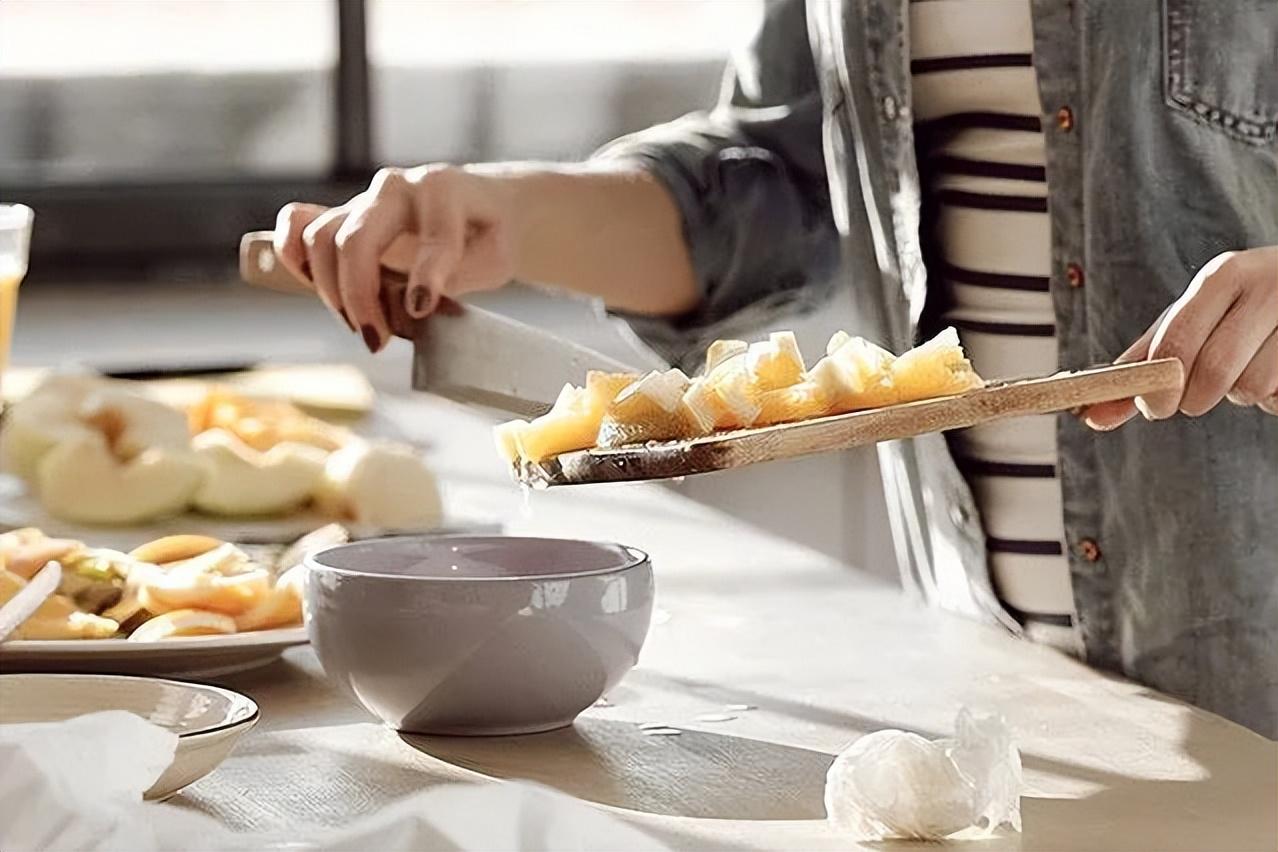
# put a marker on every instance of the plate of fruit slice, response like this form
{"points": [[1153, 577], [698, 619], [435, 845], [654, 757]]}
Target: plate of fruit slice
{"points": [[182, 605], [760, 402], [115, 462]]}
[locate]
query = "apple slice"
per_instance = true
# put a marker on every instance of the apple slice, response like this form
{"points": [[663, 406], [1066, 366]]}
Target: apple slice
{"points": [[82, 480], [239, 480]]}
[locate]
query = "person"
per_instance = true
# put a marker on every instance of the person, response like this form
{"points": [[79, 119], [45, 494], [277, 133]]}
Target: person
{"points": [[1046, 177]]}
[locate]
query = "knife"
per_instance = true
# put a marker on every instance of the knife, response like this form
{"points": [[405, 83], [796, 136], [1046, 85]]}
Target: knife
{"points": [[460, 352]]}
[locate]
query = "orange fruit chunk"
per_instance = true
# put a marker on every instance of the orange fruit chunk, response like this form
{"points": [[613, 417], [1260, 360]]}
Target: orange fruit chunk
{"points": [[936, 368], [776, 362], [802, 401], [572, 423], [651, 409]]}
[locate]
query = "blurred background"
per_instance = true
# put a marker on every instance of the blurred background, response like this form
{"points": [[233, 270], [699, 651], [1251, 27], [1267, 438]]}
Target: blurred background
{"points": [[149, 134]]}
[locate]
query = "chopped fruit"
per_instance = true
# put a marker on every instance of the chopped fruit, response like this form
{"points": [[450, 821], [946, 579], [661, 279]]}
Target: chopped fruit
{"points": [[261, 423], [651, 409], [775, 363], [56, 618], [222, 580], [281, 608], [724, 398], [602, 388], [239, 480], [798, 402], [183, 622], [81, 480], [744, 385], [722, 350], [381, 484], [571, 424], [174, 548], [936, 368], [856, 373], [507, 437]]}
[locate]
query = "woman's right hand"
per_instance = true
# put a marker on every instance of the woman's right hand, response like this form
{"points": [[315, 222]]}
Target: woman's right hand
{"points": [[451, 230]]}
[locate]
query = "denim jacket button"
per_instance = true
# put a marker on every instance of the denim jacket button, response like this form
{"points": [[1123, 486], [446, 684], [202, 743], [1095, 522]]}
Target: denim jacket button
{"points": [[959, 516], [1065, 119], [1089, 549], [1074, 275]]}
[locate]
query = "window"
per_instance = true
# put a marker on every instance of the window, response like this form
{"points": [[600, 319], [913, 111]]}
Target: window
{"points": [[144, 131]]}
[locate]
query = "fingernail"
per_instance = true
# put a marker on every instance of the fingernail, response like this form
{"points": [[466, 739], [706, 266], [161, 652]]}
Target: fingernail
{"points": [[1100, 427], [341, 312], [1143, 408], [418, 301], [372, 339]]}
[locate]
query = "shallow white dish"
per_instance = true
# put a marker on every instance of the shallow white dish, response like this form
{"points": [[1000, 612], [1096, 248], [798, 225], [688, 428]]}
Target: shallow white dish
{"points": [[182, 656], [18, 508], [207, 719]]}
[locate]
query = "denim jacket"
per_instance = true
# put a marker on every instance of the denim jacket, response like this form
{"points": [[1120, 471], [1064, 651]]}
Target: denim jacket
{"points": [[1161, 125]]}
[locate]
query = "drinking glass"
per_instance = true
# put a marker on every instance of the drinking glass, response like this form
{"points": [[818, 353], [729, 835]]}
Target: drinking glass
{"points": [[15, 242]]}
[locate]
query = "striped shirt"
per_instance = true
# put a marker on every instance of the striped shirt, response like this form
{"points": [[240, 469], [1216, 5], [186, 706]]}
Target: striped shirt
{"points": [[982, 165]]}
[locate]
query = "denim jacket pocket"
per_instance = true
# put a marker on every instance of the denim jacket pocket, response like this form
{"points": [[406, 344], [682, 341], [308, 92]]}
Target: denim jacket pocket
{"points": [[1220, 65]]}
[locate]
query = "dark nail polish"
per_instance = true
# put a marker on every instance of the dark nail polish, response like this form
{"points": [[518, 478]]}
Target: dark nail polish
{"points": [[341, 312], [372, 339], [306, 269], [418, 301]]}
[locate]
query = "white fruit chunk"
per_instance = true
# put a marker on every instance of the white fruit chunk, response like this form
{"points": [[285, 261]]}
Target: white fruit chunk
{"points": [[82, 480], [382, 485], [36, 424], [69, 407], [239, 480]]}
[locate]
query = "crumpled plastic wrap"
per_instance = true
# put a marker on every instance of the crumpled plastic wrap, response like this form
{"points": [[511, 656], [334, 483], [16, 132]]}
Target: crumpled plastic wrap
{"points": [[896, 784], [76, 786]]}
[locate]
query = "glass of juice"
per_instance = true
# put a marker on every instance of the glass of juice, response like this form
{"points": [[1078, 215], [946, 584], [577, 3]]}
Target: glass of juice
{"points": [[15, 242]]}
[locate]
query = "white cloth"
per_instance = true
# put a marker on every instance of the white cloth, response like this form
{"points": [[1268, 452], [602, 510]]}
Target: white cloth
{"points": [[76, 786]]}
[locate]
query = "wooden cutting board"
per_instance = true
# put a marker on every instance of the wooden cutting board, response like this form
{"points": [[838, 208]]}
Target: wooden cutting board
{"points": [[725, 450]]}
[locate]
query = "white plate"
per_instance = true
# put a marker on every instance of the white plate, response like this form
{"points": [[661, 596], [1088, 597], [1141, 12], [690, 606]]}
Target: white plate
{"points": [[20, 509], [182, 656], [207, 719]]}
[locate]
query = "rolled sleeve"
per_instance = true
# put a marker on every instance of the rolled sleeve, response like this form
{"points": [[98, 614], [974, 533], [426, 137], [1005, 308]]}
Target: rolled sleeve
{"points": [[748, 179]]}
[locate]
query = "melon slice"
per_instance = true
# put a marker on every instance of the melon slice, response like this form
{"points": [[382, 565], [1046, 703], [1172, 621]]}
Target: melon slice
{"points": [[775, 363], [571, 424], [936, 368], [56, 618], [855, 374], [802, 401], [651, 409], [724, 398], [722, 350]]}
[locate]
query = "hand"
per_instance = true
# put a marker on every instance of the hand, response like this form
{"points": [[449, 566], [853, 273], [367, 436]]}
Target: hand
{"points": [[448, 228], [1224, 329]]}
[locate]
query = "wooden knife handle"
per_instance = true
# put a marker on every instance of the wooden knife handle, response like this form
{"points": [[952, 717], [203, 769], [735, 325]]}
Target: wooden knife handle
{"points": [[260, 267]]}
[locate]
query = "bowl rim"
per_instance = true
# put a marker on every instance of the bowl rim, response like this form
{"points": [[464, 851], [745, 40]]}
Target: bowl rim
{"points": [[637, 558], [239, 702]]}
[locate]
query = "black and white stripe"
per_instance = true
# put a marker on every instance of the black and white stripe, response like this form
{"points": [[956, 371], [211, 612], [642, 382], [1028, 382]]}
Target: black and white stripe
{"points": [[982, 159]]}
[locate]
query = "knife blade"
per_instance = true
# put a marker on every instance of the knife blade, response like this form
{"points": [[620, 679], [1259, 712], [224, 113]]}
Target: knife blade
{"points": [[461, 352]]}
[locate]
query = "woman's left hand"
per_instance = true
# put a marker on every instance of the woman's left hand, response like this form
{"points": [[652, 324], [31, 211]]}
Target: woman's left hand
{"points": [[1224, 329]]}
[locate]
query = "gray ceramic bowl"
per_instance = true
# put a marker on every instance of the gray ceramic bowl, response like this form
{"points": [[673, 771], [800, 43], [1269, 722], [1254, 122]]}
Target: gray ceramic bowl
{"points": [[478, 635]]}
